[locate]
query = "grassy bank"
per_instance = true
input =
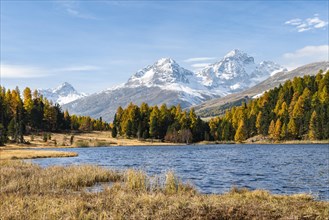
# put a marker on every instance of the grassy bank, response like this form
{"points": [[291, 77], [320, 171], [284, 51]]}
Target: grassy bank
{"points": [[30, 192], [260, 139], [6, 154], [104, 138], [84, 139]]}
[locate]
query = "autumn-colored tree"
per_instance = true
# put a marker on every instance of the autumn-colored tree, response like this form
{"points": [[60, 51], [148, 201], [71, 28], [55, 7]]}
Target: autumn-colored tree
{"points": [[292, 129], [284, 131], [313, 127], [154, 122], [271, 130], [28, 103], [277, 130], [260, 124], [241, 133]]}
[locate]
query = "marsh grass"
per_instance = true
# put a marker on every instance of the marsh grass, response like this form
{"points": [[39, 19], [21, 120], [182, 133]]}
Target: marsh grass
{"points": [[32, 154], [93, 143], [31, 192]]}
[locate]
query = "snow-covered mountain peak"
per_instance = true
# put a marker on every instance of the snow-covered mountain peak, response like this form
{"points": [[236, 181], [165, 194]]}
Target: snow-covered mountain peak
{"points": [[233, 53], [62, 94], [65, 89], [165, 61], [163, 72], [238, 55], [237, 71]]}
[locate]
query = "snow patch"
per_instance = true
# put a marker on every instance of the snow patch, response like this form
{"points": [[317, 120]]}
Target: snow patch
{"points": [[258, 95]]}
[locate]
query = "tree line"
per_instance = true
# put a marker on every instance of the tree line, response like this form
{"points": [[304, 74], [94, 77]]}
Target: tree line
{"points": [[34, 113], [298, 109], [166, 123]]}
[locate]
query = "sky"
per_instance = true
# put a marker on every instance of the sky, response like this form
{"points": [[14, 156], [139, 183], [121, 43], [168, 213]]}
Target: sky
{"points": [[95, 45]]}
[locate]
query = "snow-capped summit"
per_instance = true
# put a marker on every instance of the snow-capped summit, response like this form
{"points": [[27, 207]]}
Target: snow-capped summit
{"points": [[236, 71], [238, 55], [64, 89], [62, 94], [163, 72], [165, 61]]}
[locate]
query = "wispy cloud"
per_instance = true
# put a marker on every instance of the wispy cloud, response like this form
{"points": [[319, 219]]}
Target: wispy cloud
{"points": [[307, 24], [77, 68], [306, 55], [25, 71], [200, 65], [199, 59], [19, 71], [73, 9]]}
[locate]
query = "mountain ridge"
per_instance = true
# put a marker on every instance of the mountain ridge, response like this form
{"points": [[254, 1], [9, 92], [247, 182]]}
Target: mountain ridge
{"points": [[165, 81]]}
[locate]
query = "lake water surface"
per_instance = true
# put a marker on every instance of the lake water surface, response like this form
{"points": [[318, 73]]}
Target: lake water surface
{"points": [[282, 169]]}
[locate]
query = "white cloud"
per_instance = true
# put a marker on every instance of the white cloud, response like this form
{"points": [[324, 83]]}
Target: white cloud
{"points": [[18, 71], [307, 24], [77, 68], [72, 8], [198, 59], [305, 55], [24, 71], [295, 21], [200, 65]]}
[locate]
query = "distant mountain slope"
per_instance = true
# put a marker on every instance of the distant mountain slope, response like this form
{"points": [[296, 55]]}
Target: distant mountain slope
{"points": [[219, 105], [63, 94], [167, 82]]}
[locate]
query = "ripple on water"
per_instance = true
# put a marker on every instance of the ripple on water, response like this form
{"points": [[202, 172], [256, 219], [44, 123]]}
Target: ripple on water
{"points": [[282, 169]]}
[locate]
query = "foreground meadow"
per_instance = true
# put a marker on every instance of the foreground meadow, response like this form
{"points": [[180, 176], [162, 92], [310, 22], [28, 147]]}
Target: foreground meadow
{"points": [[31, 192]]}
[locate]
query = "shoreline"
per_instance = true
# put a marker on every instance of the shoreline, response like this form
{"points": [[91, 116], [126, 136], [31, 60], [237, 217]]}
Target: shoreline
{"points": [[104, 139]]}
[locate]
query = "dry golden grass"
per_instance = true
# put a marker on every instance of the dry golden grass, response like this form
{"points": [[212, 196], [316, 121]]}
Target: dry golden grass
{"points": [[32, 154], [85, 139], [30, 192], [104, 138]]}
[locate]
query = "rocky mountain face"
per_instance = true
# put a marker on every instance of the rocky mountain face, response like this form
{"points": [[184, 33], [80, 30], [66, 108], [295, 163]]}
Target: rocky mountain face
{"points": [[63, 94], [218, 106], [167, 82]]}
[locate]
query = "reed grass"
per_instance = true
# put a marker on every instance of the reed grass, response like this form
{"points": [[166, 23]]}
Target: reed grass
{"points": [[32, 154], [30, 192]]}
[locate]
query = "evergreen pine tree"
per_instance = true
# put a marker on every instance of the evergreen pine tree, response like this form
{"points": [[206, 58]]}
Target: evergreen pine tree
{"points": [[129, 128]]}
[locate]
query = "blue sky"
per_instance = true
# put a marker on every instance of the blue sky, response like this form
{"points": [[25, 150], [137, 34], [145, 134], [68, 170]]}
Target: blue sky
{"points": [[97, 44]]}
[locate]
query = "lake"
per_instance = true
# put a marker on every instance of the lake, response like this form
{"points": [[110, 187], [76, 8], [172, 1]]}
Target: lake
{"points": [[281, 169]]}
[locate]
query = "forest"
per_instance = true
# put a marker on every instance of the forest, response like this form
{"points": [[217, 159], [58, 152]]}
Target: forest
{"points": [[35, 114], [296, 110], [169, 124]]}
